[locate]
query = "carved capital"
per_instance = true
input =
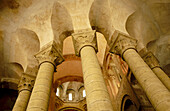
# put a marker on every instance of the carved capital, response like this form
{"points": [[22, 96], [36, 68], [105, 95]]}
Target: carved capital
{"points": [[121, 42], [151, 60], [26, 82], [84, 38], [50, 53]]}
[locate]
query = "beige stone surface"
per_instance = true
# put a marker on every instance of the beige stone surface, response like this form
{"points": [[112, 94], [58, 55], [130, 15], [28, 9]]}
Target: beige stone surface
{"points": [[56, 20], [28, 25], [162, 76], [49, 57], [24, 88], [153, 63], [125, 46], [39, 99], [22, 101], [96, 91], [159, 97]]}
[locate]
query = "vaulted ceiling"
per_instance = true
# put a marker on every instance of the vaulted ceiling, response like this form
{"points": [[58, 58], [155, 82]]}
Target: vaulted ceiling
{"points": [[27, 25]]}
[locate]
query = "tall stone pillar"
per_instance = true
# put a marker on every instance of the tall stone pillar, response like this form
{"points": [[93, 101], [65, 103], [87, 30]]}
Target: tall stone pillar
{"points": [[156, 92], [97, 95], [48, 58], [153, 63], [25, 87]]}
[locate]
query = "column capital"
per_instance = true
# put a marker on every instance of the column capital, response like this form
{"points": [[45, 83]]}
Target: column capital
{"points": [[50, 53], [84, 38], [26, 82], [122, 42], [151, 60]]}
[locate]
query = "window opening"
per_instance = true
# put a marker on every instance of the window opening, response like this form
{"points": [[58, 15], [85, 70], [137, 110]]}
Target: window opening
{"points": [[70, 98], [84, 93], [57, 93]]}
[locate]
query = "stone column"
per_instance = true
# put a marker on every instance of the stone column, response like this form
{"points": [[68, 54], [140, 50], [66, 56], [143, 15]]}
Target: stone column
{"points": [[156, 92], [153, 63], [48, 57], [25, 87], [97, 95]]}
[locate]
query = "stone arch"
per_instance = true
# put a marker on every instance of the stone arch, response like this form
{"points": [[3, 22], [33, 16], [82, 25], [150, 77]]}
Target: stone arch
{"points": [[13, 73], [9, 83], [8, 95], [70, 109], [61, 23], [100, 18], [72, 91], [68, 78], [60, 89], [29, 40], [161, 51], [14, 70], [17, 53], [127, 104], [73, 73], [143, 28], [80, 90], [68, 47], [110, 15], [30, 43], [120, 11], [24, 45]]}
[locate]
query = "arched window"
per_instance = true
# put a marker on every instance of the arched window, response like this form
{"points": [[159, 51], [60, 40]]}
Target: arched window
{"points": [[84, 93], [70, 97], [57, 93]]}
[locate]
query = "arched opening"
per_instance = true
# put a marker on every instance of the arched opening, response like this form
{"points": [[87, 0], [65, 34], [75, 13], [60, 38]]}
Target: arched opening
{"points": [[61, 16], [128, 104], [57, 92], [70, 109], [70, 96], [82, 92], [8, 94]]}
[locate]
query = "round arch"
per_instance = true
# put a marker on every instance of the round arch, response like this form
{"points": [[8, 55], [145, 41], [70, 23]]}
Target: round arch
{"points": [[72, 70], [70, 109], [61, 23], [127, 104]]}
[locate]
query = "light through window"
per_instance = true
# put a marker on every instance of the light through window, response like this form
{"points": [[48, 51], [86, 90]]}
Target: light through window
{"points": [[57, 93], [70, 98], [84, 93]]}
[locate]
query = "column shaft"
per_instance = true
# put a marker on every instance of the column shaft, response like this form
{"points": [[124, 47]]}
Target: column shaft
{"points": [[22, 101], [162, 76], [24, 87], [96, 92], [39, 99], [153, 63], [157, 93]]}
